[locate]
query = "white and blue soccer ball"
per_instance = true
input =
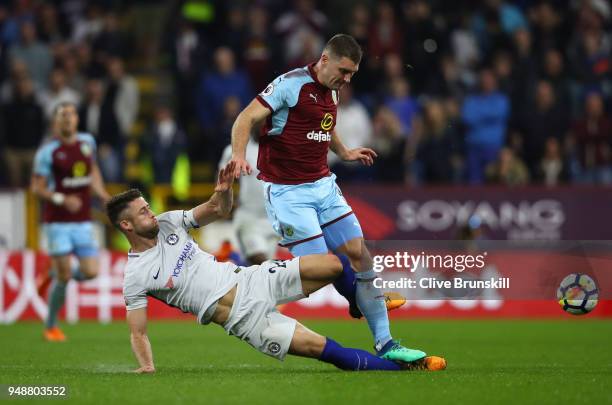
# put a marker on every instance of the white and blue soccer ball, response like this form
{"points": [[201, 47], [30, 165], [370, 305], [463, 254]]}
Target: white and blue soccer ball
{"points": [[577, 294]]}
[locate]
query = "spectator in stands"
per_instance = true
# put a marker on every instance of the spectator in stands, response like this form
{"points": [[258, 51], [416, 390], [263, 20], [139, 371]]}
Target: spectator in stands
{"points": [[354, 127], [234, 31], [465, 50], [400, 102], [57, 92], [291, 26], [74, 76], [97, 116], [446, 80], [548, 27], [553, 168], [23, 131], [422, 40], [503, 68], [223, 131], [165, 143], [385, 35], [507, 170], [215, 87], [438, 154], [188, 50], [310, 51], [261, 48], [87, 28], [495, 23], [19, 71], [554, 72], [539, 120], [358, 27], [485, 115], [524, 64], [393, 67], [390, 143], [122, 91], [593, 138], [589, 56], [110, 41], [48, 25], [36, 55]]}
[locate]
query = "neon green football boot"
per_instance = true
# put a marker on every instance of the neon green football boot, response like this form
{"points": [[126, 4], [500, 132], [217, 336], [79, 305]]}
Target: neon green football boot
{"points": [[394, 351]]}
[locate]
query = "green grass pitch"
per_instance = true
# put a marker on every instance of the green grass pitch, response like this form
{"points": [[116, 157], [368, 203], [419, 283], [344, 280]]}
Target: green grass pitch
{"points": [[489, 361]]}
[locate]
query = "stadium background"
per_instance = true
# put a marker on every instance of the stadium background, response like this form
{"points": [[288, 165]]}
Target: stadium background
{"points": [[159, 85]]}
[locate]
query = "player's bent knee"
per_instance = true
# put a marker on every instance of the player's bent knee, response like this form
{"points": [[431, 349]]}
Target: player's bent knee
{"points": [[358, 254], [306, 343], [335, 265]]}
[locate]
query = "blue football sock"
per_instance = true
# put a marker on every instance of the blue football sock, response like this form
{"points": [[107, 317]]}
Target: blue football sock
{"points": [[56, 301], [354, 359], [371, 303], [77, 274], [346, 283]]}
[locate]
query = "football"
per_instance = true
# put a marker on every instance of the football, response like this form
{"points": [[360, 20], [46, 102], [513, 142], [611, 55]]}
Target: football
{"points": [[577, 294]]}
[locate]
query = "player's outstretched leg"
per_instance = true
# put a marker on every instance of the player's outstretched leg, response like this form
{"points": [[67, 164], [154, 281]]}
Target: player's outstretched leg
{"points": [[307, 343], [317, 271]]}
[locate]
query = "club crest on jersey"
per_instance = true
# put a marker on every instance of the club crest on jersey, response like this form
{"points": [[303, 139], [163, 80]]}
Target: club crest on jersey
{"points": [[85, 149], [79, 169], [172, 239], [327, 122], [268, 90]]}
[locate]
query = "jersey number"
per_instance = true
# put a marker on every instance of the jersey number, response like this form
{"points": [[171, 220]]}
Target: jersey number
{"points": [[277, 264]]}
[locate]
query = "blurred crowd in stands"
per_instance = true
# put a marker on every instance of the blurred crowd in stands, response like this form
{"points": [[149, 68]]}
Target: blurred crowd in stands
{"points": [[448, 92]]}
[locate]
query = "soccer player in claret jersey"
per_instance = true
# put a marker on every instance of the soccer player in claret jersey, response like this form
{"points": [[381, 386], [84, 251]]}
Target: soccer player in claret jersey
{"points": [[65, 173], [303, 201], [165, 263]]}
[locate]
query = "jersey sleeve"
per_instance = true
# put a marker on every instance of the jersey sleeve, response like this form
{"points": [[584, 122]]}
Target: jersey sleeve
{"points": [[179, 218], [42, 161], [134, 294], [276, 95]]}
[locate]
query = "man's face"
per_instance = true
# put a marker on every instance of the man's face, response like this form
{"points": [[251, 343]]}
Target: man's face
{"points": [[337, 72], [66, 120], [140, 220]]}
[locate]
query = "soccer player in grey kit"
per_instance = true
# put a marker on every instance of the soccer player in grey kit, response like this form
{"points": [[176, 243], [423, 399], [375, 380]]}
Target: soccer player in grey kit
{"points": [[164, 262]]}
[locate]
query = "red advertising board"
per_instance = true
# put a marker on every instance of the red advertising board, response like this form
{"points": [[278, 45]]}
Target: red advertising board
{"points": [[102, 297]]}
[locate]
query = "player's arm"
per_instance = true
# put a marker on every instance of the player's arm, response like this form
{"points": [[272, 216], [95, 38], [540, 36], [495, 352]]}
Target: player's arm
{"points": [[220, 203], [364, 155], [38, 186], [253, 114], [97, 183], [137, 320]]}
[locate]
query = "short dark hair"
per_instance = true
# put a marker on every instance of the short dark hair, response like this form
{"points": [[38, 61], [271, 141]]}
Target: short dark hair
{"points": [[119, 202], [344, 45], [62, 105]]}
